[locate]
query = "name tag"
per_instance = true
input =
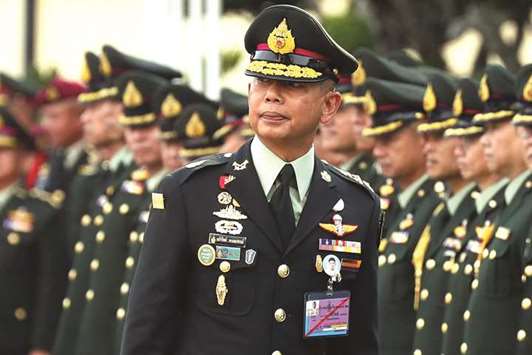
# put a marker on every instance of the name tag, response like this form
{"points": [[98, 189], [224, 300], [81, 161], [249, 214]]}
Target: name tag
{"points": [[326, 314], [502, 233]]}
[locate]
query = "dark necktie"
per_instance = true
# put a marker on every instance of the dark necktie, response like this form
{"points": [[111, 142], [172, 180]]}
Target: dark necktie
{"points": [[281, 204]]}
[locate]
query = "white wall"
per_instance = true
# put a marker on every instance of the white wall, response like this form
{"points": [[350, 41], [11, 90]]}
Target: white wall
{"points": [[12, 32]]}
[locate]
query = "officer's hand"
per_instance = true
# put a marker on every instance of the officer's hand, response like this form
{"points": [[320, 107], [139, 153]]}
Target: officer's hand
{"points": [[39, 352]]}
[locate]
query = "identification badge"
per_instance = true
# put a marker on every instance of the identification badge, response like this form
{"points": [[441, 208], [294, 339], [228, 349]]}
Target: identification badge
{"points": [[326, 314], [231, 240], [227, 253]]}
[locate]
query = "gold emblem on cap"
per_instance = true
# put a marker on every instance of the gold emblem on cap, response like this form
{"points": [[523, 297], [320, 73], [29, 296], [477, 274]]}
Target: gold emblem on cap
{"points": [[369, 104], [359, 76], [484, 90], [195, 126], [132, 96], [170, 106], [458, 103], [527, 90], [105, 65], [52, 93], [280, 40], [429, 99], [85, 72]]}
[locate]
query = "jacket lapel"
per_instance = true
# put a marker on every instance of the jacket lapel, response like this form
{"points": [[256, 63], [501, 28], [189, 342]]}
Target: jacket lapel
{"points": [[321, 198], [247, 190]]}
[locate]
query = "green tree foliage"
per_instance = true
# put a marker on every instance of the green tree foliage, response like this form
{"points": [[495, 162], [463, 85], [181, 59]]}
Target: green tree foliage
{"points": [[350, 31]]}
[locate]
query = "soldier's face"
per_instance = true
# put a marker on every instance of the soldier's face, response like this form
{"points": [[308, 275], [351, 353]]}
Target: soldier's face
{"points": [[439, 153], [170, 155], [232, 143], [145, 145], [61, 121], [362, 120], [100, 123], [470, 158], [10, 163], [525, 134], [400, 153], [286, 114], [501, 147], [339, 134]]}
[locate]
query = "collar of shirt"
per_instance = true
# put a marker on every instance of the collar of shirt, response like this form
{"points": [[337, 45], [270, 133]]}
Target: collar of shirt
{"points": [[7, 193], [72, 153], [514, 186], [268, 166], [154, 180], [488, 194], [406, 195], [351, 162], [122, 156], [455, 200]]}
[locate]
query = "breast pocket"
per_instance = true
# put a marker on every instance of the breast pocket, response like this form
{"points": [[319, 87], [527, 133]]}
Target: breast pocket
{"points": [[500, 276]]}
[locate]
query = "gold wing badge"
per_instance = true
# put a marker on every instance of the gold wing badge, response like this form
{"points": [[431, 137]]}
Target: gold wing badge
{"points": [[337, 227]]}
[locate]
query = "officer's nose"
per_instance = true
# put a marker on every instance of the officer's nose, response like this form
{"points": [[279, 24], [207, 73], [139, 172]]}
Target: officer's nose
{"points": [[274, 92]]}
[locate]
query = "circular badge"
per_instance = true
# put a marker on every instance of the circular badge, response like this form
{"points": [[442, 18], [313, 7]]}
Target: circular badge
{"points": [[206, 255], [224, 198], [332, 265]]}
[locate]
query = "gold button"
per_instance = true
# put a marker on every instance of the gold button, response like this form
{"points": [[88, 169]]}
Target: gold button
{"points": [[455, 268], [120, 313], [485, 253], [526, 303], [72, 274], [444, 327], [100, 237], [110, 190], [124, 208], [474, 284], [13, 238], [95, 264], [521, 335], [468, 269], [382, 260], [130, 261], [141, 237], [476, 264], [107, 208], [89, 295], [463, 348], [467, 315], [528, 270], [280, 315], [448, 298], [418, 352], [391, 258], [277, 352], [21, 314], [523, 278], [424, 294], [85, 220], [133, 237], [79, 247], [448, 265], [124, 288], [225, 266], [66, 303], [493, 254], [98, 220], [283, 271], [420, 323], [430, 264]]}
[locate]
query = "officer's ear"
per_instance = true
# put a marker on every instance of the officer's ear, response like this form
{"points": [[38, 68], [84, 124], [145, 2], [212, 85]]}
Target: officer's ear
{"points": [[331, 102]]}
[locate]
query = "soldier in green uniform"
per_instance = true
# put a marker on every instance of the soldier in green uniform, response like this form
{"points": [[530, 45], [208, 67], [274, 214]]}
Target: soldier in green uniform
{"points": [[433, 256], [233, 112], [32, 262], [523, 120], [465, 242], [491, 319], [396, 109], [18, 97]]}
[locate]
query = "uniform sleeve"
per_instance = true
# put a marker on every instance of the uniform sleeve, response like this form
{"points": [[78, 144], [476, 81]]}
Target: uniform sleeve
{"points": [[362, 338], [155, 307], [51, 284]]}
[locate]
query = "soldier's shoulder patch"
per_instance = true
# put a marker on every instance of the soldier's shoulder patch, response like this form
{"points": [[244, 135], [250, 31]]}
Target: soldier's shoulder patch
{"points": [[157, 200], [188, 170], [346, 175]]}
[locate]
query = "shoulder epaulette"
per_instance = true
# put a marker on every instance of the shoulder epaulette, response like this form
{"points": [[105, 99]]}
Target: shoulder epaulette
{"points": [[54, 199], [346, 175], [140, 175], [188, 170], [88, 170]]}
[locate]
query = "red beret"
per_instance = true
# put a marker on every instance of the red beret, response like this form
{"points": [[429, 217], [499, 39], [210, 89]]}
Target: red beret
{"points": [[58, 90]]}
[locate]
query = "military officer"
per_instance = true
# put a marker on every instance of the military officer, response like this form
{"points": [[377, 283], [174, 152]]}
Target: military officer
{"points": [[466, 245], [233, 112], [396, 109], [433, 256], [523, 119], [19, 97], [497, 289], [235, 254], [31, 259]]}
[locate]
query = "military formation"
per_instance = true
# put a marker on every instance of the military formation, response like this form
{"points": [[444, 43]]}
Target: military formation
{"points": [[82, 166]]}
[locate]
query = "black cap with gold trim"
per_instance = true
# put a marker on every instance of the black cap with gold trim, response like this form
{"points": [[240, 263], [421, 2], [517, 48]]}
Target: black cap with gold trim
{"points": [[497, 91], [437, 103], [195, 129], [392, 105], [288, 43], [12, 134], [99, 86], [168, 103], [524, 94], [466, 105], [404, 57], [233, 108], [136, 90]]}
